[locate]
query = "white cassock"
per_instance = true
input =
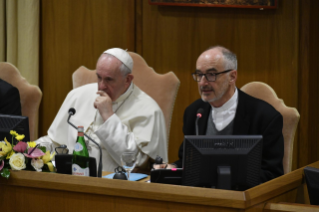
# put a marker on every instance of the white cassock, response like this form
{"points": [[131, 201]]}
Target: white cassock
{"points": [[137, 125]]}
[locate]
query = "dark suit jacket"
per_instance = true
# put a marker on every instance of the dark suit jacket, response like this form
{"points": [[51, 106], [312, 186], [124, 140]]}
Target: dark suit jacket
{"points": [[9, 99], [253, 117]]}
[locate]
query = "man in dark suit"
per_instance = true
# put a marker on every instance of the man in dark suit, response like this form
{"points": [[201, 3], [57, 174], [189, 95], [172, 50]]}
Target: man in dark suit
{"points": [[9, 99], [229, 111]]}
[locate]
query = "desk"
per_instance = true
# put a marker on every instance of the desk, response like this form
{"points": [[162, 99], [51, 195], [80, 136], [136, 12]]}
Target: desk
{"points": [[285, 207], [57, 192]]}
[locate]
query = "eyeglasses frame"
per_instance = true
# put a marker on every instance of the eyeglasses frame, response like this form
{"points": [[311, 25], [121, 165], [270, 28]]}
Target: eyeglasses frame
{"points": [[215, 74]]}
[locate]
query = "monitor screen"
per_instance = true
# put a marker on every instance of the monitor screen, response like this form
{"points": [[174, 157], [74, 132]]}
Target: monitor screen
{"points": [[230, 162], [20, 124]]}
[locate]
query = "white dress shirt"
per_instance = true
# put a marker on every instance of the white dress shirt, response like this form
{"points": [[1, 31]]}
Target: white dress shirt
{"points": [[223, 115]]}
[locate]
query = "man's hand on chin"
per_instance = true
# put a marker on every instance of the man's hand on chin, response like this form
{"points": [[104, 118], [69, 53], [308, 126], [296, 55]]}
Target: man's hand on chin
{"points": [[104, 104]]}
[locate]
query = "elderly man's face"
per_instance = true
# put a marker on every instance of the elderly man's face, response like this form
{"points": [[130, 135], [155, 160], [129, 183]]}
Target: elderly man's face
{"points": [[110, 78], [211, 61]]}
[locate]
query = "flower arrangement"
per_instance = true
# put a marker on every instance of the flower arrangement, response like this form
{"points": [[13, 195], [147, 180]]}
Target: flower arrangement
{"points": [[23, 155]]}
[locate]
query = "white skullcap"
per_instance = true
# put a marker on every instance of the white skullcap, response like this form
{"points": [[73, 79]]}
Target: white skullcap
{"points": [[122, 55]]}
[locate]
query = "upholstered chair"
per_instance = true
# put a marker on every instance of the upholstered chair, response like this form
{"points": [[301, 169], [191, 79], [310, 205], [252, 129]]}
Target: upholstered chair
{"points": [[290, 115], [161, 87], [30, 95]]}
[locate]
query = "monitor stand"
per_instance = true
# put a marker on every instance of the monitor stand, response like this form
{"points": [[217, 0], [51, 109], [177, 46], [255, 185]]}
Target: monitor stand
{"points": [[224, 177]]}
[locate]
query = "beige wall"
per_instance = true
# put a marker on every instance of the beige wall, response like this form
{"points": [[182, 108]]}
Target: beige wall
{"points": [[75, 33]]}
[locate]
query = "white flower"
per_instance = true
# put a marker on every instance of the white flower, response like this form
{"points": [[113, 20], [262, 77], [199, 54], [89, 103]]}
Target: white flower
{"points": [[37, 164], [17, 161]]}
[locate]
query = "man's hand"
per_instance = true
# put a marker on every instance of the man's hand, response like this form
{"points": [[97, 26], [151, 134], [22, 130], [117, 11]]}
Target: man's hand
{"points": [[104, 104], [164, 166]]}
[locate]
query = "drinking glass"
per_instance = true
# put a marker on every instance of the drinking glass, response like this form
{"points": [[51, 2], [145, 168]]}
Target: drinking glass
{"points": [[128, 160]]}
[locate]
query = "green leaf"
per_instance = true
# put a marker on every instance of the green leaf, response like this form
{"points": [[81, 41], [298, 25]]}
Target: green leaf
{"points": [[5, 173], [42, 148]]}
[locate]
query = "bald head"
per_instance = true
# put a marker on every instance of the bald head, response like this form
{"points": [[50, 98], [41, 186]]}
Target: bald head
{"points": [[219, 54], [219, 66]]}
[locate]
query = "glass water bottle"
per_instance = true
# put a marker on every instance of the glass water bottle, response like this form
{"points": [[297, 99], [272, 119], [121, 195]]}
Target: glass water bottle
{"points": [[80, 160]]}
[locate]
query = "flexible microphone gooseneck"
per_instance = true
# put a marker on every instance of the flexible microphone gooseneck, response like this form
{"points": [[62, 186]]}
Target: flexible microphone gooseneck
{"points": [[99, 172], [198, 116]]}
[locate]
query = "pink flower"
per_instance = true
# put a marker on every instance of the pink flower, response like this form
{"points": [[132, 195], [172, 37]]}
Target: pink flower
{"points": [[20, 147], [35, 154], [1, 165]]}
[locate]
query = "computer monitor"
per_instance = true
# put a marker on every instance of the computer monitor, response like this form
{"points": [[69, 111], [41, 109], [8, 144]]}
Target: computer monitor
{"points": [[223, 162], [312, 181], [20, 124]]}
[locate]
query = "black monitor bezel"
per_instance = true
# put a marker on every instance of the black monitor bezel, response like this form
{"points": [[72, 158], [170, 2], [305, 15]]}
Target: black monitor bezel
{"points": [[200, 176], [22, 127]]}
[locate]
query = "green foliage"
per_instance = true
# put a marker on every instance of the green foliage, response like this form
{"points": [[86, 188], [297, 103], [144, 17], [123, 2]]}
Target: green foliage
{"points": [[5, 173], [42, 148]]}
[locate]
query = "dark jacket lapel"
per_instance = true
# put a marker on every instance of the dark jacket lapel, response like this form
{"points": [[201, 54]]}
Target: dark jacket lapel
{"points": [[241, 121]]}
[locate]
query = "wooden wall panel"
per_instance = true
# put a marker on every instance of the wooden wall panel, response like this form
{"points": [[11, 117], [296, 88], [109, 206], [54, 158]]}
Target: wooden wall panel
{"points": [[308, 83], [265, 41], [75, 33]]}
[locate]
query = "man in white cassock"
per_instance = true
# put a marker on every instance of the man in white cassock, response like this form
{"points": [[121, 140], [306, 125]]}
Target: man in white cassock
{"points": [[115, 113]]}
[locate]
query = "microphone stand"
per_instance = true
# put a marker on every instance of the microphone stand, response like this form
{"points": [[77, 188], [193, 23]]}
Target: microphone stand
{"points": [[198, 116], [99, 172], [196, 124]]}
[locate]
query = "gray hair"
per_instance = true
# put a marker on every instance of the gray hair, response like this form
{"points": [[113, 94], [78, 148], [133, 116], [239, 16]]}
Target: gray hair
{"points": [[125, 70], [230, 58]]}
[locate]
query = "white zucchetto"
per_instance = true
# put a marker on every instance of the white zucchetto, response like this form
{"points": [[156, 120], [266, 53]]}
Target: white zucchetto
{"points": [[122, 55]]}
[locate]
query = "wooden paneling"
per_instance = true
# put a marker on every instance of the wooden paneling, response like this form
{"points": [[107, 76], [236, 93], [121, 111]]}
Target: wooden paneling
{"points": [[308, 83], [281, 207], [75, 33], [265, 41]]}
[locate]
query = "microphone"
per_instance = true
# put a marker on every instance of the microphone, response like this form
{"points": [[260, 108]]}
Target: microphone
{"points": [[99, 172], [71, 111], [198, 116], [158, 160]]}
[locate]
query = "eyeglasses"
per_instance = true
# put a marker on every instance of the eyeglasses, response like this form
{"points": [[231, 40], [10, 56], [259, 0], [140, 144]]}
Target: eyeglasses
{"points": [[211, 77]]}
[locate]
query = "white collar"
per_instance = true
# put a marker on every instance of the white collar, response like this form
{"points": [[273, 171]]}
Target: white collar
{"points": [[125, 94], [223, 115], [228, 105]]}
